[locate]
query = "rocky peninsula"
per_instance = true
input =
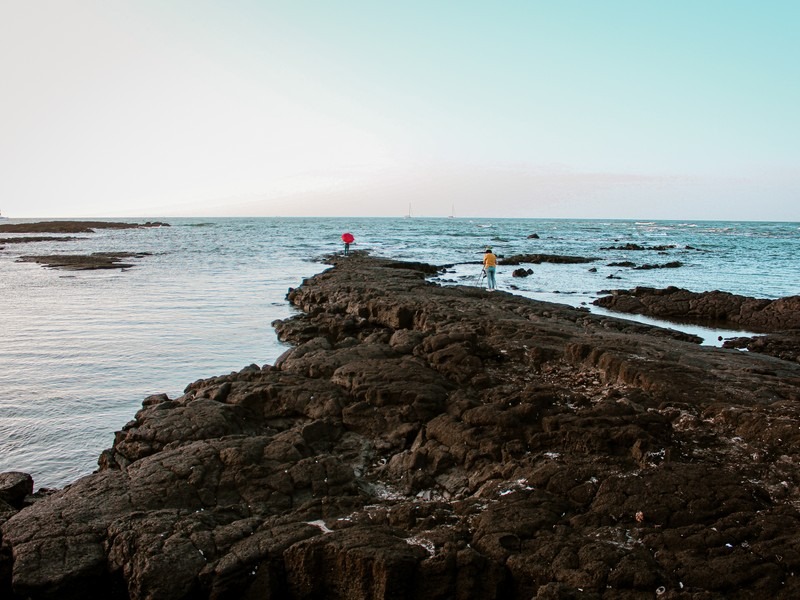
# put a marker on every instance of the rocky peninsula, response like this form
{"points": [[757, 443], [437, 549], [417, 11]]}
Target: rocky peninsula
{"points": [[420, 441], [73, 226]]}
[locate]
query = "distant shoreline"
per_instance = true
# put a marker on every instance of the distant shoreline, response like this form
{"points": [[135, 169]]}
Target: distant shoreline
{"points": [[73, 226]]}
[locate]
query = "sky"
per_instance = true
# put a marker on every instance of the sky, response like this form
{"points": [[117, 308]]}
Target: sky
{"points": [[632, 109]]}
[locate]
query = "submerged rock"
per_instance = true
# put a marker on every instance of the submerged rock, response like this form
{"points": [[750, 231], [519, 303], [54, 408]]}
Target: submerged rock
{"points": [[420, 441]]}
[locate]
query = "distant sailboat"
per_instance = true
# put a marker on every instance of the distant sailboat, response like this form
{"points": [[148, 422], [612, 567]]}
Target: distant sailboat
{"points": [[2, 218], [408, 216], [452, 211]]}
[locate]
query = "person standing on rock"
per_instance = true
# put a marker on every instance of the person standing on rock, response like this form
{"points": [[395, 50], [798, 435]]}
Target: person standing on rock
{"points": [[348, 239], [490, 266]]}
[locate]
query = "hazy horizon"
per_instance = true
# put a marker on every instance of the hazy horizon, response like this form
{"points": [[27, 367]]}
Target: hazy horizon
{"points": [[613, 110]]}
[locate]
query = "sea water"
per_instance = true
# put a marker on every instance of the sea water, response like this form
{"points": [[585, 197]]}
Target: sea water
{"points": [[81, 349]]}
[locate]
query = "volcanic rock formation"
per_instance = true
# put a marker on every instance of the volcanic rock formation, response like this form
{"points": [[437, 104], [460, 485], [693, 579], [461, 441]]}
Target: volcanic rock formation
{"points": [[420, 441]]}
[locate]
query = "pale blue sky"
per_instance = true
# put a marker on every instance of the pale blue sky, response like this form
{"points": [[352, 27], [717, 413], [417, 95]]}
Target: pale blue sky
{"points": [[596, 109]]}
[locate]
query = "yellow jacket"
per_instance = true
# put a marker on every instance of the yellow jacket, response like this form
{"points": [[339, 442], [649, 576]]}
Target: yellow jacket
{"points": [[489, 260]]}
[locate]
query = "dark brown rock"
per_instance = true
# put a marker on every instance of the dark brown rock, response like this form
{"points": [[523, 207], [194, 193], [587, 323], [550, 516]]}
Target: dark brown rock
{"points": [[85, 262], [14, 487], [73, 226], [439, 442], [713, 308], [670, 265], [31, 239], [638, 247], [537, 259], [521, 272], [784, 345]]}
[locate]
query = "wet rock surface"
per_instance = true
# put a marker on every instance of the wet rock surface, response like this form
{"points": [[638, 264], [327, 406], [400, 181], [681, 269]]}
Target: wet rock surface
{"points": [[674, 264], [85, 262], [784, 345], [714, 308], [420, 441], [537, 259], [638, 247], [40, 238]]}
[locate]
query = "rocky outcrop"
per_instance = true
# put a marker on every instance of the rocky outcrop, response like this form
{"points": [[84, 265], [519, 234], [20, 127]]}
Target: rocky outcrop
{"points": [[39, 238], [536, 259], [626, 263], [674, 264], [15, 487], [85, 262], [73, 226], [784, 345], [74, 262], [638, 247], [419, 441], [714, 308]]}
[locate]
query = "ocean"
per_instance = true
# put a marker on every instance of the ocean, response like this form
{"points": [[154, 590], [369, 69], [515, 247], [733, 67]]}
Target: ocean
{"points": [[81, 350]]}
